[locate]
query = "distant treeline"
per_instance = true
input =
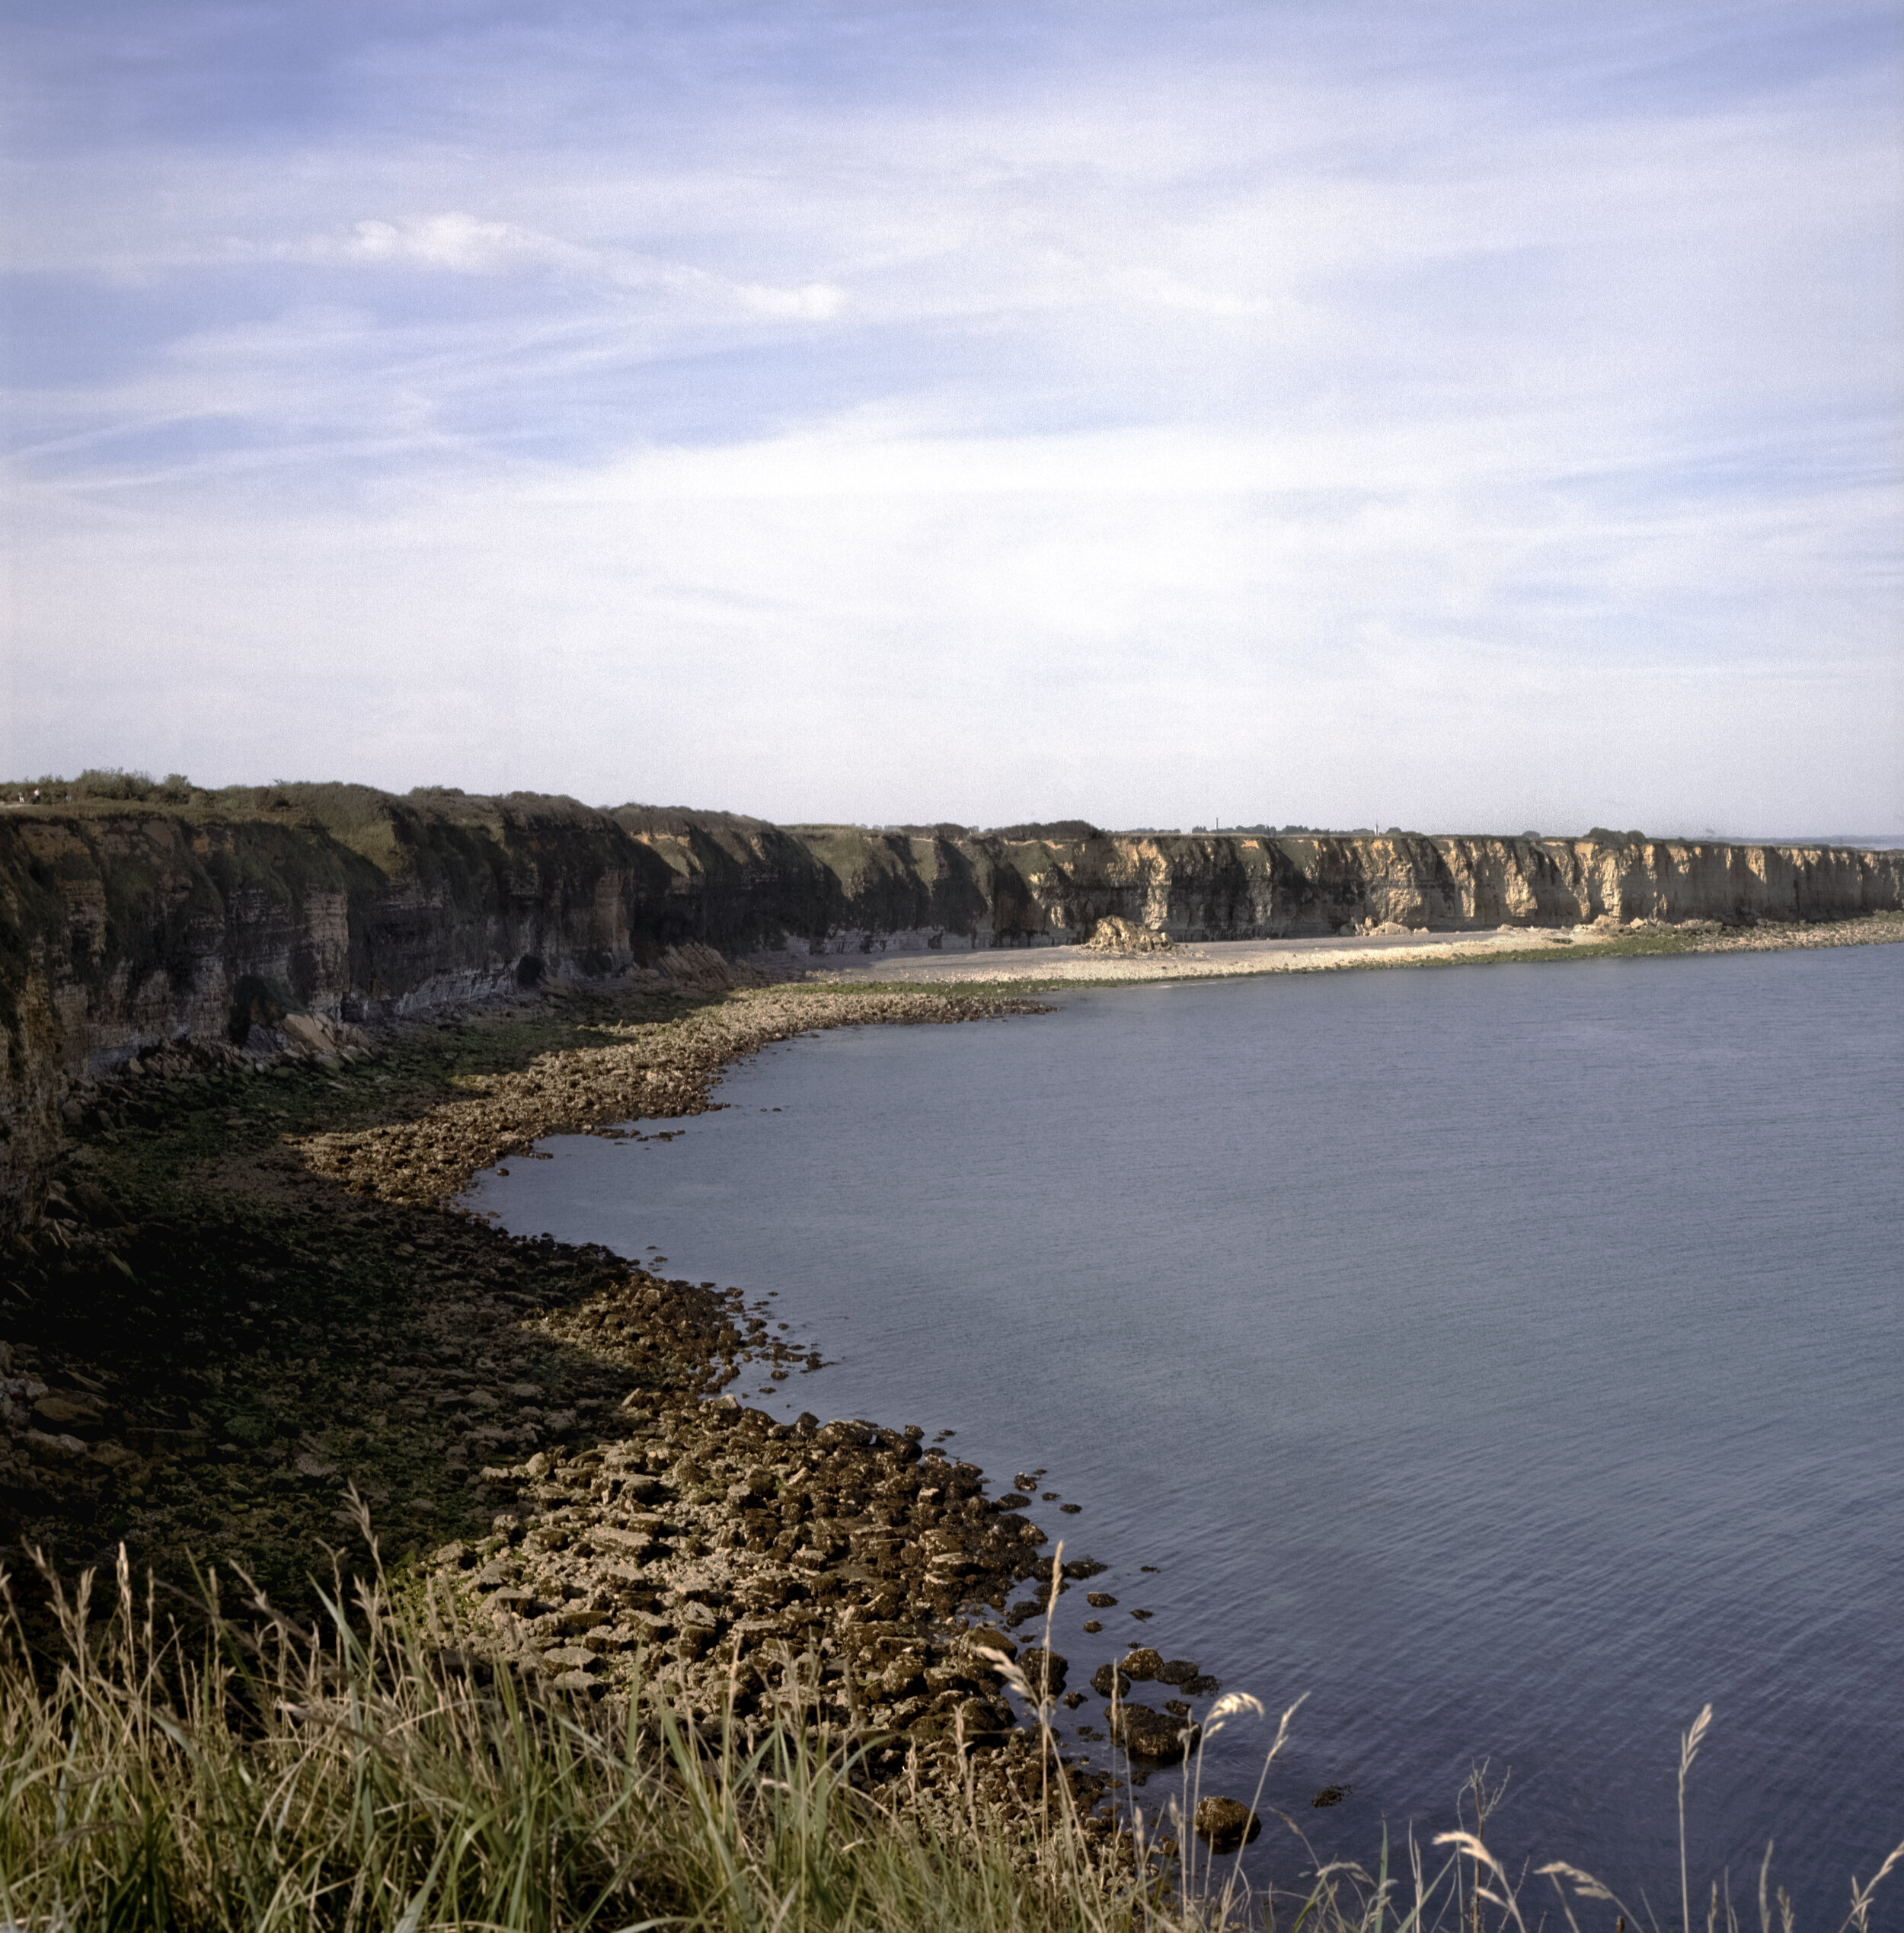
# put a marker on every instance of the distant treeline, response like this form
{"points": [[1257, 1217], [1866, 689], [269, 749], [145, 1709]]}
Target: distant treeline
{"points": [[174, 789]]}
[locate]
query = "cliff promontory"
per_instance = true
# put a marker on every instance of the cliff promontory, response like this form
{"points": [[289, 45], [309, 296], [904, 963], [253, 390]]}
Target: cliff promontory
{"points": [[235, 922]]}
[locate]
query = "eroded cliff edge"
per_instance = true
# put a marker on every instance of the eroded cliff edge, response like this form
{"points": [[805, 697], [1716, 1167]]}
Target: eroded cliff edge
{"points": [[218, 923]]}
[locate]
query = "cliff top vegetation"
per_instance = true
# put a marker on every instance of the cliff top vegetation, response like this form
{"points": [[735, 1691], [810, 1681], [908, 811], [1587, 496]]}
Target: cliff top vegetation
{"points": [[363, 817]]}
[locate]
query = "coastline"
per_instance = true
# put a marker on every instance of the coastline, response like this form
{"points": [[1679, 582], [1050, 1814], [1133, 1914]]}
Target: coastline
{"points": [[536, 1426], [1041, 968]]}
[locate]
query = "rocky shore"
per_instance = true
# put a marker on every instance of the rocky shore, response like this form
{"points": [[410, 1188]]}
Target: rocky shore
{"points": [[131, 914], [254, 1298]]}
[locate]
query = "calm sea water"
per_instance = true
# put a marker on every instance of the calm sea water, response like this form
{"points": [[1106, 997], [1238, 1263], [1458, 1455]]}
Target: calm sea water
{"points": [[1510, 1358]]}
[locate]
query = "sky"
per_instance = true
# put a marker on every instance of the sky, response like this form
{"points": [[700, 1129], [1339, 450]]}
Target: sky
{"points": [[1464, 417]]}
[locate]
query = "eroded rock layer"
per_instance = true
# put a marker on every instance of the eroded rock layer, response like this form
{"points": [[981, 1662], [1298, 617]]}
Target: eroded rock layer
{"points": [[254, 921]]}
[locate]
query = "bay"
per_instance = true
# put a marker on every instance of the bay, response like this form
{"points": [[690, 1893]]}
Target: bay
{"points": [[1507, 1358]]}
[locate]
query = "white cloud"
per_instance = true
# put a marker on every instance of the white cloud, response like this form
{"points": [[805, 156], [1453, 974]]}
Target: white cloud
{"points": [[462, 245], [1328, 429], [454, 240], [1453, 649]]}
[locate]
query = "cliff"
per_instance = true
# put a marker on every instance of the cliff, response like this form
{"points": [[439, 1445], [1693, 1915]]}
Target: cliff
{"points": [[214, 921]]}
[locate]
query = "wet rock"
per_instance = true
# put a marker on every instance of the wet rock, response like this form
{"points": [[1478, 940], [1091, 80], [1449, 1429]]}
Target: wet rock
{"points": [[1100, 1600], [1143, 1663], [1147, 1734], [1225, 1824], [1035, 1662], [1204, 1686], [983, 1722], [1108, 1681], [1176, 1671], [1331, 1795]]}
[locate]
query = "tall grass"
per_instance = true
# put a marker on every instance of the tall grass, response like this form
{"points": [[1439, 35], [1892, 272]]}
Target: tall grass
{"points": [[362, 1773]]}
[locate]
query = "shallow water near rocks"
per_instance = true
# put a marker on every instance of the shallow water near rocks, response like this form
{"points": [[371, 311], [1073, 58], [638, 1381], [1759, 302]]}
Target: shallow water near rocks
{"points": [[1510, 1358]]}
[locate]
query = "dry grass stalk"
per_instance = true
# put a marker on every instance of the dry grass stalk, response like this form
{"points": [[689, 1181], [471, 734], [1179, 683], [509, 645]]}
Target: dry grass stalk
{"points": [[362, 1776]]}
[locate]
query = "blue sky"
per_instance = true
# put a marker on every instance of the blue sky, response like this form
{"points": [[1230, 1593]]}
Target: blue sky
{"points": [[1465, 417]]}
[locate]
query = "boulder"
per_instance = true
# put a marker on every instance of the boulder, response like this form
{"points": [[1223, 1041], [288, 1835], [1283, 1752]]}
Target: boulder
{"points": [[1035, 1662], [66, 1415], [983, 1722], [1147, 1734], [1225, 1824], [1108, 1681], [1141, 1662], [568, 1657], [1122, 936], [624, 1544]]}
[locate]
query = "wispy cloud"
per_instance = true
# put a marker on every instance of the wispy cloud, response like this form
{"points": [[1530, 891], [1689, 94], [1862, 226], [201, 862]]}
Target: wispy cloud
{"points": [[462, 244], [1321, 357]]}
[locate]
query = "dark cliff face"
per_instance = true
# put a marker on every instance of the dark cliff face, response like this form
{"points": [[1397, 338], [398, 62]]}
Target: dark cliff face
{"points": [[124, 923]]}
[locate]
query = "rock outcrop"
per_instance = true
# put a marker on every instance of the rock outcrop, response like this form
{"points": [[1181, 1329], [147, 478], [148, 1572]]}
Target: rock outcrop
{"points": [[262, 922]]}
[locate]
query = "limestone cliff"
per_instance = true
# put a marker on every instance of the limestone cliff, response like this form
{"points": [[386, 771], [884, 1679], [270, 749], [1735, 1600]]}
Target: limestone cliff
{"points": [[1228, 886], [124, 925]]}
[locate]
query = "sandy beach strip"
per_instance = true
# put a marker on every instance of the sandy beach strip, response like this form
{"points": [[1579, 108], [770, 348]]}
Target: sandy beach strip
{"points": [[1225, 959]]}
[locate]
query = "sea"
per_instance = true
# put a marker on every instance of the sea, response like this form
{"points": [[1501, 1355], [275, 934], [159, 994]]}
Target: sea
{"points": [[1506, 1361]]}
